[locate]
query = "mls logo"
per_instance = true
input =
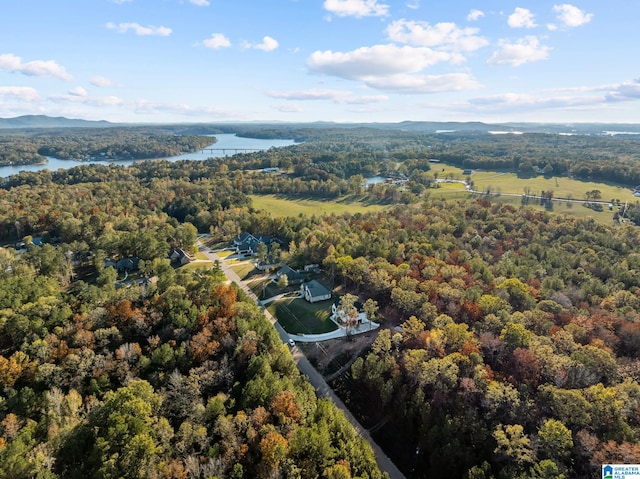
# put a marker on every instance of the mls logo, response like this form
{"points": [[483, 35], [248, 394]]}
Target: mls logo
{"points": [[607, 472]]}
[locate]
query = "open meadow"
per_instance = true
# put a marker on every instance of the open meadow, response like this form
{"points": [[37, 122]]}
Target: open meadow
{"points": [[562, 187], [280, 206]]}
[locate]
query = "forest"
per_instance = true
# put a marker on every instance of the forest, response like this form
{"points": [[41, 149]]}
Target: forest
{"points": [[33, 146], [509, 345]]}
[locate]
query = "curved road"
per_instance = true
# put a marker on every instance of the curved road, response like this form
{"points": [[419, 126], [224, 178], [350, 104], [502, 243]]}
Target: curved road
{"points": [[305, 367]]}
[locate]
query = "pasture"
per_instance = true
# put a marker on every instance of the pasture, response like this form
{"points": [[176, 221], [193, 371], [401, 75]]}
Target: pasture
{"points": [[279, 206]]}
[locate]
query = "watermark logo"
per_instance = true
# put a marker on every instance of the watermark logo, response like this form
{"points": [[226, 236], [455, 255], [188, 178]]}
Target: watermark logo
{"points": [[621, 471], [607, 472]]}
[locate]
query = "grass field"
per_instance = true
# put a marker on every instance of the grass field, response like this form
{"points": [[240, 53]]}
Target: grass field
{"points": [[298, 316], [442, 170], [562, 187], [279, 206]]}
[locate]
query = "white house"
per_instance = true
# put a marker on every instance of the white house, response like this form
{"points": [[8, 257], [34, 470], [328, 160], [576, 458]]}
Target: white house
{"points": [[340, 315], [314, 291]]}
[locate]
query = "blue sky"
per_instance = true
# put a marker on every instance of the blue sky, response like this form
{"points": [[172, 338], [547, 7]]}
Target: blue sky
{"points": [[332, 60]]}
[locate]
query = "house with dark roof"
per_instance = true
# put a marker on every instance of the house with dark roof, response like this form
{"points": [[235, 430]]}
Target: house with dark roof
{"points": [[123, 265], [243, 238], [293, 276], [179, 256], [127, 264], [247, 244], [313, 291]]}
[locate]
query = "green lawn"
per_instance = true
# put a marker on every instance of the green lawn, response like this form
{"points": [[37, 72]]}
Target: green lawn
{"points": [[203, 266], [280, 207], [298, 316], [242, 269]]}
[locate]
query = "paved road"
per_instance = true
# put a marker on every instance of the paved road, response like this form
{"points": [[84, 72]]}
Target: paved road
{"points": [[305, 367]]}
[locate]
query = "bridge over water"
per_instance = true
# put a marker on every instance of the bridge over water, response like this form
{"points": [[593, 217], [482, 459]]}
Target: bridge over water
{"points": [[235, 150]]}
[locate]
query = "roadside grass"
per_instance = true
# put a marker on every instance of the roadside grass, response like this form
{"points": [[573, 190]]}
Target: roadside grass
{"points": [[225, 254], [264, 288], [298, 316], [201, 255], [243, 270], [281, 206], [199, 266]]}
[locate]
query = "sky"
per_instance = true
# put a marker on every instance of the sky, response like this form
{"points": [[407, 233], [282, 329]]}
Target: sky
{"points": [[188, 61]]}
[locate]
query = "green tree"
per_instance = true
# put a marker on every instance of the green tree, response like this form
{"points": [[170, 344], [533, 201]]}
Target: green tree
{"points": [[555, 440], [283, 281], [513, 446], [546, 469]]}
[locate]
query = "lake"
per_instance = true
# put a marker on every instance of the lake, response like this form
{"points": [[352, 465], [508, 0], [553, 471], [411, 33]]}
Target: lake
{"points": [[226, 141]]}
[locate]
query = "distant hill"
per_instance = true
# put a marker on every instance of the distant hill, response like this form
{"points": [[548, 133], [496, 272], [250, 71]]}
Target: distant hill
{"points": [[43, 121], [28, 122]]}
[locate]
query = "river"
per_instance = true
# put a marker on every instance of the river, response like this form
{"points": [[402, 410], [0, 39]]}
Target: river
{"points": [[227, 141]]}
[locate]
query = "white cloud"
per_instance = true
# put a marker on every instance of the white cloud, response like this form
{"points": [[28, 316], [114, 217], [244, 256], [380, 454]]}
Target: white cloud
{"points": [[421, 84], [336, 96], [576, 98], [518, 102], [78, 91], [475, 15], [200, 3], [36, 68], [375, 61], [525, 50], [79, 95], [624, 91], [572, 16], [446, 35], [217, 41], [310, 94], [268, 44], [356, 8], [413, 5], [289, 108], [22, 93], [139, 29], [392, 68], [102, 82], [146, 107], [521, 18]]}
